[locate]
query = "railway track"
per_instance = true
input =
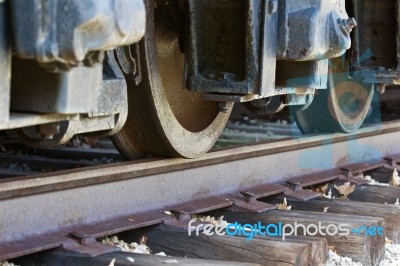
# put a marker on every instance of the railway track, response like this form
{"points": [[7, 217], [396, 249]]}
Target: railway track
{"points": [[23, 161], [90, 203], [17, 159]]}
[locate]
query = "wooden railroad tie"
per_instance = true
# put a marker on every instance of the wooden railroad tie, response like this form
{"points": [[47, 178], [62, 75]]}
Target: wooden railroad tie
{"points": [[266, 251], [376, 194], [367, 249], [389, 212]]}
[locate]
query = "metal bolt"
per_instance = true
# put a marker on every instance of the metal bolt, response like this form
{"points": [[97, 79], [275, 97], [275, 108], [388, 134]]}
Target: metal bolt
{"points": [[272, 6], [381, 88], [352, 22], [347, 25], [248, 197], [295, 186]]}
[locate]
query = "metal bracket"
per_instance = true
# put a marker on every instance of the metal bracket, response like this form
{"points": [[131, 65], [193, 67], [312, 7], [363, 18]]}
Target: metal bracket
{"points": [[83, 237], [350, 171], [202, 205], [87, 246], [298, 183], [392, 162], [265, 190], [182, 212], [318, 178], [298, 192], [181, 220], [250, 204]]}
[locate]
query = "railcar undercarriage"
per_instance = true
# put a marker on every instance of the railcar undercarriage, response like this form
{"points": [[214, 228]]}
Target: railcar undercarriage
{"points": [[161, 77]]}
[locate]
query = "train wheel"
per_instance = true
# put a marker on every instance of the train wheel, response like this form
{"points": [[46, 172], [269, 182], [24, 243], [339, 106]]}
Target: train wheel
{"points": [[341, 108], [164, 118]]}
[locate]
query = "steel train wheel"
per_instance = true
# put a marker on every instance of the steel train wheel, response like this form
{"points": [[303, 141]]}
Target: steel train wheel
{"points": [[164, 118], [343, 107]]}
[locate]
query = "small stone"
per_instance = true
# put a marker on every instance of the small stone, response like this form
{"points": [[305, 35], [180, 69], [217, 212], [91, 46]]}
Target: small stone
{"points": [[170, 261], [130, 259]]}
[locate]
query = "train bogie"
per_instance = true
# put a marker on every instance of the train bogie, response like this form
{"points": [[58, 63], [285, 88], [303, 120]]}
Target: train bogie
{"points": [[78, 67]]}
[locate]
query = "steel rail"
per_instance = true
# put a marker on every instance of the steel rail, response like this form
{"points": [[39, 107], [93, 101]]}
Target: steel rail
{"points": [[45, 203]]}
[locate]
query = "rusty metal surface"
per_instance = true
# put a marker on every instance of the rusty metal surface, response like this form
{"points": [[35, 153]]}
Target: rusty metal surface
{"points": [[302, 194], [355, 169], [250, 204], [393, 159], [127, 170], [265, 190], [351, 171], [88, 248], [177, 122], [353, 180], [80, 238], [119, 224], [86, 205], [29, 245], [297, 192], [252, 207], [317, 178]]}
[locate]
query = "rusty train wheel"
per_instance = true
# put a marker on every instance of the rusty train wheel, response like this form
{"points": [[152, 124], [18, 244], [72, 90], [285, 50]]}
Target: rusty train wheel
{"points": [[164, 118], [343, 107]]}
